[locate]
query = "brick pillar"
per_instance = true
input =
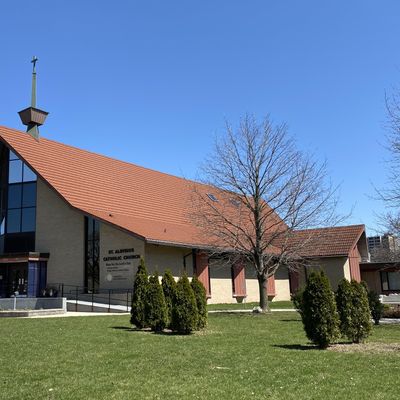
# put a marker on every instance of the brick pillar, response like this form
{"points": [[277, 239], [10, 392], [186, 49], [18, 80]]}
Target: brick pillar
{"points": [[271, 286], [294, 281], [239, 279], [202, 271]]}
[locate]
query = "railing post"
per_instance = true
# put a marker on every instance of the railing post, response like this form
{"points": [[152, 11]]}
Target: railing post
{"points": [[92, 300], [76, 299], [109, 300], [127, 300], [62, 290]]}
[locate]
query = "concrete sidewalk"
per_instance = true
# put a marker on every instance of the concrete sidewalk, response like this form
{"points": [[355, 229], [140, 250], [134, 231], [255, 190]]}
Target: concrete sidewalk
{"points": [[79, 314], [251, 311]]}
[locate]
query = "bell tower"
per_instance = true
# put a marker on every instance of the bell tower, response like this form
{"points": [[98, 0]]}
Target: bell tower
{"points": [[33, 117]]}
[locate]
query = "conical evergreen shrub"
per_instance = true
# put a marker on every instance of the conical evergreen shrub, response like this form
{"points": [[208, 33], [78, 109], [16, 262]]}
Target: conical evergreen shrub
{"points": [[201, 302], [156, 309], [361, 314], [139, 297], [354, 311], [319, 315], [375, 306], [184, 310], [169, 289], [344, 303]]}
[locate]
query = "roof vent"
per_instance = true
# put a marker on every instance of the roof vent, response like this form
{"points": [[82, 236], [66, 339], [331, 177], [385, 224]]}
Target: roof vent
{"points": [[33, 117], [212, 197]]}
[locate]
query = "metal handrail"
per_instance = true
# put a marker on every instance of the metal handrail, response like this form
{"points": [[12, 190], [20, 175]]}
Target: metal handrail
{"points": [[103, 296]]}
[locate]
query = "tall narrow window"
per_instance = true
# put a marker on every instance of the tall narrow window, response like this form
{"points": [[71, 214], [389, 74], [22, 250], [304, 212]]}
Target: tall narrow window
{"points": [[92, 267], [18, 212]]}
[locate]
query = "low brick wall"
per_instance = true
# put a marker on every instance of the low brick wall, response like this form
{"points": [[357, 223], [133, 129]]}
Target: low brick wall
{"points": [[33, 303]]}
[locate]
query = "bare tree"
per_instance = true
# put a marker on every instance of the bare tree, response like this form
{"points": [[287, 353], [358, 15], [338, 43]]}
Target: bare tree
{"points": [[261, 189], [385, 254], [390, 195]]}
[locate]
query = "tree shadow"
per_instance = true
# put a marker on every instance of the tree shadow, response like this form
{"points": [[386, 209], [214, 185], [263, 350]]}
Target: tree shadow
{"points": [[127, 328], [296, 346], [166, 332], [289, 320], [171, 333]]}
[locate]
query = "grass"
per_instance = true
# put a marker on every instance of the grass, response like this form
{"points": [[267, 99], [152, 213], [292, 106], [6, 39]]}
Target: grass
{"points": [[249, 306], [240, 356]]}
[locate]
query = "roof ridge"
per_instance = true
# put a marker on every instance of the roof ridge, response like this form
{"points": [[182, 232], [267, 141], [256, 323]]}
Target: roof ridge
{"points": [[332, 227], [108, 157]]}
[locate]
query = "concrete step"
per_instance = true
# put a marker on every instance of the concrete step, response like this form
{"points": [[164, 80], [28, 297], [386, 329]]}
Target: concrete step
{"points": [[32, 313]]}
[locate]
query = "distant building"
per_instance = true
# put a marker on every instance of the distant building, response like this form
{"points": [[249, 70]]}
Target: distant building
{"points": [[386, 242]]}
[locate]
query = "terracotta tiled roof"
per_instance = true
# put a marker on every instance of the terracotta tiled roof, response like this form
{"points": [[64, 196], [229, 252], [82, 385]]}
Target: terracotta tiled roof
{"points": [[329, 242], [150, 204]]}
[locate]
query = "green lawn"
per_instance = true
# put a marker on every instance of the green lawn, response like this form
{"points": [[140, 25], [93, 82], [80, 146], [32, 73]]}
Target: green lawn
{"points": [[248, 306], [240, 356]]}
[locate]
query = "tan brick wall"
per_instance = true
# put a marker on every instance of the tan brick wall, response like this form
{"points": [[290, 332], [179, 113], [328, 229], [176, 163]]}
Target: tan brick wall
{"points": [[60, 231], [282, 287], [336, 268], [161, 258], [221, 283]]}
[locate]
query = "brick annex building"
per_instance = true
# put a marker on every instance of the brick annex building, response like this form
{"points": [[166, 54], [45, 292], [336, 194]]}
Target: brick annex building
{"points": [[78, 218]]}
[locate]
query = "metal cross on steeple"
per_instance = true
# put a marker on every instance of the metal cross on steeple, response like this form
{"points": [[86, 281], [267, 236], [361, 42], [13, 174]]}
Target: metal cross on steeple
{"points": [[34, 61], [33, 100]]}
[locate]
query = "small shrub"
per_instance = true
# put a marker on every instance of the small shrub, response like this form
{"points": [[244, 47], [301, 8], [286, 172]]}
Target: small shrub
{"points": [[139, 297], [344, 303], [184, 310], [361, 314], [201, 302], [319, 314], [391, 311], [375, 306], [156, 309], [169, 289]]}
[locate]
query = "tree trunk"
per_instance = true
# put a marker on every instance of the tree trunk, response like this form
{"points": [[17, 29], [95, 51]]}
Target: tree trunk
{"points": [[262, 286]]}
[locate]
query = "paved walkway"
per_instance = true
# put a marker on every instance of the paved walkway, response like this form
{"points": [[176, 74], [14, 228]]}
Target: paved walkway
{"points": [[100, 305], [389, 321], [250, 310], [78, 314]]}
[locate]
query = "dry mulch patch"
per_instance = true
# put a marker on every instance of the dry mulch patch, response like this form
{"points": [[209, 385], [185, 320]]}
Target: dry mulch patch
{"points": [[366, 348]]}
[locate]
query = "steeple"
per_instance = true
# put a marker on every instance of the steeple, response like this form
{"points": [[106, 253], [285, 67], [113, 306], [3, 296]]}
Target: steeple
{"points": [[33, 117]]}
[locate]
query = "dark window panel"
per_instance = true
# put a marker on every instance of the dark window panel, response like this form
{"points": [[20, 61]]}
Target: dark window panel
{"points": [[14, 196], [29, 195], [15, 171], [29, 175], [89, 229], [96, 229], [14, 221], [28, 219], [394, 280]]}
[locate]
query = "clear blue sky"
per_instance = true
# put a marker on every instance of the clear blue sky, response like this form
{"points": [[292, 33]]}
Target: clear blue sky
{"points": [[152, 82]]}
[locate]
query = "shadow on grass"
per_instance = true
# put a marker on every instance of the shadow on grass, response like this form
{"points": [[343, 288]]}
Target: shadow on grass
{"points": [[296, 346], [125, 328], [289, 320], [147, 330]]}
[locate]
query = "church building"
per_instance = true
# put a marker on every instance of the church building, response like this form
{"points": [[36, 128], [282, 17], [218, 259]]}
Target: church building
{"points": [[73, 217]]}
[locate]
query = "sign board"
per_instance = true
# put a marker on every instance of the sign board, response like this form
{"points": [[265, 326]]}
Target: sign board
{"points": [[117, 268]]}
